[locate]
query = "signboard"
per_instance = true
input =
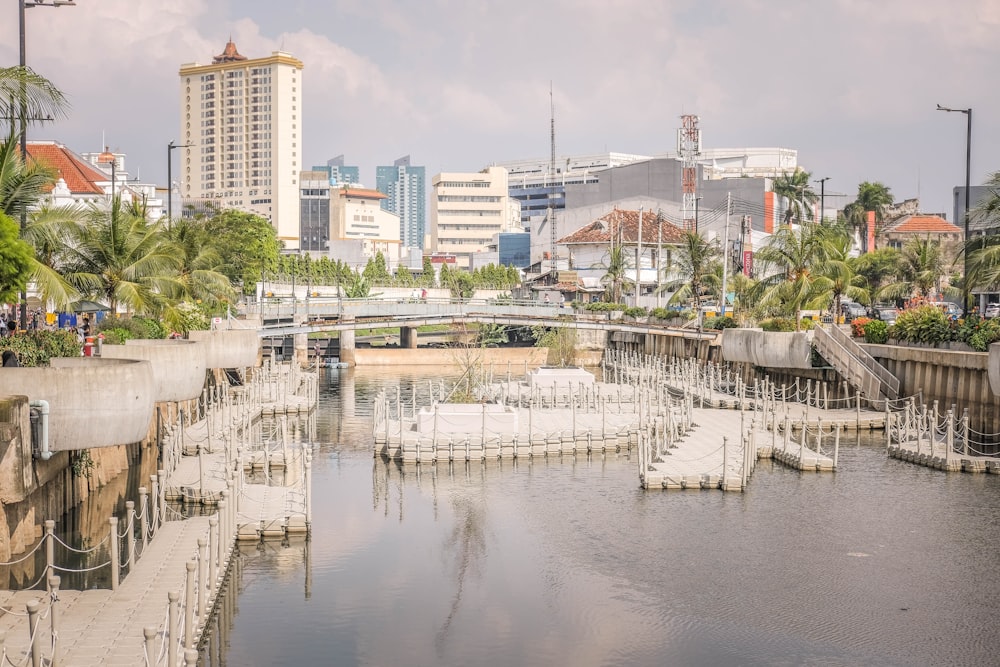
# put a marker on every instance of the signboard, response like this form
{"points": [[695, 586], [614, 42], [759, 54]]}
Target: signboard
{"points": [[748, 263]]}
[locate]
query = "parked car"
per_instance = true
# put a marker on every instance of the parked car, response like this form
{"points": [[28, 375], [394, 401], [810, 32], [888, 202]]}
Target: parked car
{"points": [[951, 310], [886, 314], [992, 310], [850, 310]]}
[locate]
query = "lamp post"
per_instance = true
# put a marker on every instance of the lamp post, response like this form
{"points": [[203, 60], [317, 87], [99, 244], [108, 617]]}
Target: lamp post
{"points": [[822, 196], [21, 6], [696, 200], [170, 180], [968, 166]]}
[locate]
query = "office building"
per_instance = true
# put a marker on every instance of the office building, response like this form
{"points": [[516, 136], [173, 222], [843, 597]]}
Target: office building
{"points": [[338, 173], [241, 136], [361, 226], [405, 190], [314, 211], [468, 209]]}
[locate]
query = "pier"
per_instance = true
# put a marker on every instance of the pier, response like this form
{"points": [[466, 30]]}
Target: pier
{"points": [[166, 569]]}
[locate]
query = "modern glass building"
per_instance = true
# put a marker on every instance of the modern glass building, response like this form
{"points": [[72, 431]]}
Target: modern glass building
{"points": [[405, 188], [339, 174]]}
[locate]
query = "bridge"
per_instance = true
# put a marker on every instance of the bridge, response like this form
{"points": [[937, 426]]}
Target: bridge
{"points": [[297, 318]]}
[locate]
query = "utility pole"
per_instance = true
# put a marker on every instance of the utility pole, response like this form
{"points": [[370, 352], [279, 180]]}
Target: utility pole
{"points": [[968, 167], [822, 195], [659, 253], [725, 253], [638, 261]]}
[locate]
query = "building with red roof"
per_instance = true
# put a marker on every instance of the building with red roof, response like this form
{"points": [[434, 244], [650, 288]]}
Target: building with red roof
{"points": [[896, 233]]}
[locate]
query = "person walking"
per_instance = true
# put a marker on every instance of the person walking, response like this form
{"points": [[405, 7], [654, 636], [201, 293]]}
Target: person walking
{"points": [[10, 359]]}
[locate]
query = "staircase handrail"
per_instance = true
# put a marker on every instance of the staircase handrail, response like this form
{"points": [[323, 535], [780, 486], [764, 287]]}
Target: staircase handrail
{"points": [[890, 381], [848, 365]]}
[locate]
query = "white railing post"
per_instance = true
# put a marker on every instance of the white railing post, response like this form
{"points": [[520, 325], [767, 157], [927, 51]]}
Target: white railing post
{"points": [[54, 619], [189, 602], [143, 516], [130, 537], [115, 556]]}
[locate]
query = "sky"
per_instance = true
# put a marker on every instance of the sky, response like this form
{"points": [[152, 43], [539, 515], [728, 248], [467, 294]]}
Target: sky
{"points": [[460, 84]]}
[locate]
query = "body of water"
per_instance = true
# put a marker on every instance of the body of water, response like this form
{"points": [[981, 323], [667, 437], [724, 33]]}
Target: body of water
{"points": [[566, 561]]}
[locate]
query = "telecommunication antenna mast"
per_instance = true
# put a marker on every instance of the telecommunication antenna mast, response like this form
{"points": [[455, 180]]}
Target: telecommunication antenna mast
{"points": [[688, 149], [551, 213]]}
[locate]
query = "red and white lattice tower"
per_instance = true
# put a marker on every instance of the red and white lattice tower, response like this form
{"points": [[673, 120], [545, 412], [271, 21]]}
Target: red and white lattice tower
{"points": [[688, 150]]}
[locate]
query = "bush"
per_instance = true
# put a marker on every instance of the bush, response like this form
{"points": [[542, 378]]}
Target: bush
{"points": [[662, 313], [876, 332], [926, 324], [807, 324], [604, 306], [35, 348], [117, 330], [858, 325], [636, 311], [980, 333], [719, 322], [778, 324]]}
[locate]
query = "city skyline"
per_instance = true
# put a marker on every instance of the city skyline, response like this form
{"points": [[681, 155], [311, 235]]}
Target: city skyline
{"points": [[853, 88]]}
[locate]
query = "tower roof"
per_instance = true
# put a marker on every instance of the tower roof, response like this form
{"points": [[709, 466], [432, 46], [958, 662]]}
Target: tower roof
{"points": [[229, 54]]}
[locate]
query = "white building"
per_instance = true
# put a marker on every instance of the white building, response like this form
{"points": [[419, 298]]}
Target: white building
{"points": [[241, 136], [357, 219], [467, 209]]}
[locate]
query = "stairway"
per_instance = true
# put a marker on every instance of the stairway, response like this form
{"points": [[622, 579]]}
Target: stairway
{"points": [[854, 364]]}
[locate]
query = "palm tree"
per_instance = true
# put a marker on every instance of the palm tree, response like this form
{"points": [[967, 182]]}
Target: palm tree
{"points": [[198, 276], [47, 230], [794, 287], [876, 197], [695, 260], [22, 184], [838, 270], [984, 250], [617, 263], [41, 99], [121, 258], [796, 189], [920, 267]]}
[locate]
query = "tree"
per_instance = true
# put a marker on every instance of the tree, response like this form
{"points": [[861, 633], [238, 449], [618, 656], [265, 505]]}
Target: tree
{"points": [[198, 275], [837, 269], [920, 267], [40, 98], [984, 250], [122, 259], [796, 188], [46, 230], [247, 245], [793, 287], [878, 268], [15, 260], [22, 184], [616, 265], [427, 271], [695, 262], [874, 196]]}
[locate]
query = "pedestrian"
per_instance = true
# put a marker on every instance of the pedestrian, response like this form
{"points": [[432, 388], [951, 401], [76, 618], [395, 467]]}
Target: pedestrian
{"points": [[423, 294], [546, 299], [318, 350], [11, 326], [10, 359]]}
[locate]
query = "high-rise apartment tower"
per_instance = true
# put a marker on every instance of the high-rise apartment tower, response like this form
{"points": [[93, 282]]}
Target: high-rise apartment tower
{"points": [[241, 132], [405, 189]]}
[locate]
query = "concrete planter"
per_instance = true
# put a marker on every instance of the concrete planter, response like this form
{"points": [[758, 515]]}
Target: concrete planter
{"points": [[769, 349], [454, 418], [92, 402], [229, 348], [178, 365], [558, 376]]}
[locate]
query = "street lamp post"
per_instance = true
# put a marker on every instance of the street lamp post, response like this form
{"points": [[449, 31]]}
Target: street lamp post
{"points": [[968, 167], [822, 195], [21, 6], [696, 200], [170, 180]]}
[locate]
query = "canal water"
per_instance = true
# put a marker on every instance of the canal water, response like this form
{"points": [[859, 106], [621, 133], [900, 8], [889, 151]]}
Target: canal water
{"points": [[566, 561]]}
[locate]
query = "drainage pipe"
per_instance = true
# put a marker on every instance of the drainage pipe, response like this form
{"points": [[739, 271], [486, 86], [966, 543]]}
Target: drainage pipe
{"points": [[43, 446]]}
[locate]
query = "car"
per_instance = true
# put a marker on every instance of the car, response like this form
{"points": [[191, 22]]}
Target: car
{"points": [[992, 310], [951, 310], [851, 310], [885, 314]]}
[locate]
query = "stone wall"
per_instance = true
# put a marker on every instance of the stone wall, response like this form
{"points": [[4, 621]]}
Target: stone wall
{"points": [[670, 344]]}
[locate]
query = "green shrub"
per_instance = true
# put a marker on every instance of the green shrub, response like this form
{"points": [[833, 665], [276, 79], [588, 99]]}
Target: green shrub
{"points": [[778, 324], [604, 306], [926, 324], [981, 333], [807, 324], [661, 313], [876, 332], [719, 322], [35, 348], [117, 330], [636, 311]]}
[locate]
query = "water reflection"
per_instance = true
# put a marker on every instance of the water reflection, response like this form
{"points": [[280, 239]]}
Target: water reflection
{"points": [[566, 561]]}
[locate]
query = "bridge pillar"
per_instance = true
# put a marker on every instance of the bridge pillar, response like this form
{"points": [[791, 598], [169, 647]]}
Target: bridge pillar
{"points": [[408, 337], [300, 343], [347, 342]]}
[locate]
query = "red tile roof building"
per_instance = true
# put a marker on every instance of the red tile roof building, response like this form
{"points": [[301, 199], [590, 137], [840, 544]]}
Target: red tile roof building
{"points": [[921, 226], [80, 178]]}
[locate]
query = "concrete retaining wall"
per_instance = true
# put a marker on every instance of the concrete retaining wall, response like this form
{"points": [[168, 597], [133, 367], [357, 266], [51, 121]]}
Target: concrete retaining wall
{"points": [[776, 349], [960, 378], [994, 368], [668, 343], [178, 365], [229, 348], [92, 402]]}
